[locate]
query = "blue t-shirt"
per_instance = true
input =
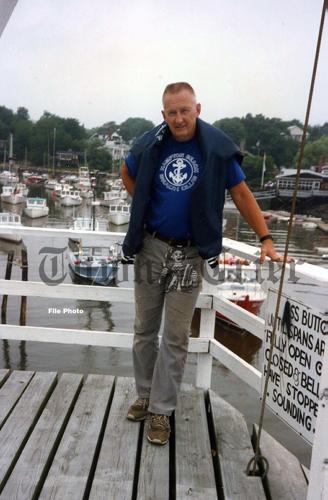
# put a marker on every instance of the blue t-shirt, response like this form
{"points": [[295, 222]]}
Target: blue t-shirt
{"points": [[180, 166]]}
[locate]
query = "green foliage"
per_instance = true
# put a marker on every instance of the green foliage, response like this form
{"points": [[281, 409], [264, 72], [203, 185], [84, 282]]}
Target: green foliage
{"points": [[70, 135], [234, 128], [134, 127], [255, 134], [252, 166], [318, 131], [99, 158], [315, 152]]}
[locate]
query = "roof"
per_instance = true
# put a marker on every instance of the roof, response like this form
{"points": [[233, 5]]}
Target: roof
{"points": [[290, 172]]}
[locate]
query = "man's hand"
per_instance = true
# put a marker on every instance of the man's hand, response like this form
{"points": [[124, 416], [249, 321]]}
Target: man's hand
{"points": [[268, 250]]}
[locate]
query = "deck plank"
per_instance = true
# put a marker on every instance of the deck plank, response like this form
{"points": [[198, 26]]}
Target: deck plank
{"points": [[153, 481], [3, 375], [30, 467], [11, 391], [22, 419], [285, 477], [116, 465], [234, 451], [194, 464], [69, 472]]}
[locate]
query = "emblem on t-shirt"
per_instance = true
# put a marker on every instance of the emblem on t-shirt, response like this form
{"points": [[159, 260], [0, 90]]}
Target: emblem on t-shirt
{"points": [[179, 172]]}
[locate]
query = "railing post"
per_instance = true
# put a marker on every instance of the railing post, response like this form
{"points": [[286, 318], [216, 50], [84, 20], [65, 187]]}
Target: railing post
{"points": [[318, 484], [204, 360]]}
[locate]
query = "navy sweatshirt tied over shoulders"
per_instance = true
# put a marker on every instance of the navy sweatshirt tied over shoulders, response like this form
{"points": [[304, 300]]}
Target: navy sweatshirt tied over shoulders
{"points": [[208, 195]]}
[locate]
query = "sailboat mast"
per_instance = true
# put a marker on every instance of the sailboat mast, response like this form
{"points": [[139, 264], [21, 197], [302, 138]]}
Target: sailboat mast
{"points": [[53, 152], [11, 151]]}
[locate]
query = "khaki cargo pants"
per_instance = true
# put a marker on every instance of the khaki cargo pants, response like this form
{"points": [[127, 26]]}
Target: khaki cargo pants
{"points": [[159, 369]]}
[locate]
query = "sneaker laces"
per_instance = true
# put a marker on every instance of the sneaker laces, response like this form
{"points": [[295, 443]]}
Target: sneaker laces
{"points": [[160, 421]]}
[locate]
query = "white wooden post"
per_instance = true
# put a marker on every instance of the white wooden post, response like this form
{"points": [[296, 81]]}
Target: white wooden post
{"points": [[204, 360], [318, 484]]}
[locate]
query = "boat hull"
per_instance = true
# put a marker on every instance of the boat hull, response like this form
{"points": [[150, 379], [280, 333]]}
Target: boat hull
{"points": [[95, 275], [65, 202], [119, 219], [36, 213], [13, 199], [252, 306]]}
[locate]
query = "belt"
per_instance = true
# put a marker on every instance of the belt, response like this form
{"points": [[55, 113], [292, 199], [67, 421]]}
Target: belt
{"points": [[173, 242]]}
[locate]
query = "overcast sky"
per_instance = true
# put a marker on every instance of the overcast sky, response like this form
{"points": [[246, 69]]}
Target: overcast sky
{"points": [[107, 60]]}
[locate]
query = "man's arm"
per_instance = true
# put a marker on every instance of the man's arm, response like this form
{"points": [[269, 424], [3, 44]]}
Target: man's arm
{"points": [[251, 212], [128, 182]]}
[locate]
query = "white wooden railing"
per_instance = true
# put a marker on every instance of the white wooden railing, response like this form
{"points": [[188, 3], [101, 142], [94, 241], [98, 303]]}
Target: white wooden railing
{"points": [[205, 346]]}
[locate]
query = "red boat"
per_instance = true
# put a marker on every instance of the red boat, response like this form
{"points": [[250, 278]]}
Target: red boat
{"points": [[240, 286], [35, 179]]}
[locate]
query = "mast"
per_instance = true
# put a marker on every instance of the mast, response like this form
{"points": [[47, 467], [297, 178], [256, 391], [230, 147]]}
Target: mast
{"points": [[11, 150], [53, 152]]}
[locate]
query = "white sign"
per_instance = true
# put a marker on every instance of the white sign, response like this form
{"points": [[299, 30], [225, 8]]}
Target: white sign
{"points": [[296, 365]]}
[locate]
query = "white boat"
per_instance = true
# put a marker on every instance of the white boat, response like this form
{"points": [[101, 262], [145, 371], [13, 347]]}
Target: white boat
{"points": [[83, 180], [22, 188], [119, 213], [113, 194], [86, 193], [12, 195], [8, 177], [13, 220], [89, 224], [51, 184], [309, 225], [36, 207], [68, 178], [239, 284], [70, 198], [93, 264]]}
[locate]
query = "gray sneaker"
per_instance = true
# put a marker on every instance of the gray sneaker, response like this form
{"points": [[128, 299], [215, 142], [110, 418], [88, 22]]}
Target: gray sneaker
{"points": [[159, 429], [138, 410]]}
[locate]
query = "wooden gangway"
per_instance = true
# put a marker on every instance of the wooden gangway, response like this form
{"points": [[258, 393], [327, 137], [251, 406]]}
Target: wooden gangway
{"points": [[66, 437]]}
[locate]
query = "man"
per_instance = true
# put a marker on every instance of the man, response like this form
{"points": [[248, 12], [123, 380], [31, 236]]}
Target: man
{"points": [[177, 175]]}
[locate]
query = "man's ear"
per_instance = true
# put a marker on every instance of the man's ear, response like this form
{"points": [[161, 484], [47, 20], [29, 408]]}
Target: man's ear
{"points": [[163, 115], [198, 108]]}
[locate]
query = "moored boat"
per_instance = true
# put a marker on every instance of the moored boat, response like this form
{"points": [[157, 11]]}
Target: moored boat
{"points": [[119, 212], [8, 177], [35, 179], [12, 195], [36, 207], [239, 285], [94, 264], [70, 198], [14, 221]]}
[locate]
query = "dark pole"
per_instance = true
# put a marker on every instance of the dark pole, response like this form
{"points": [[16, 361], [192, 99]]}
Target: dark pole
{"points": [[22, 319], [9, 267]]}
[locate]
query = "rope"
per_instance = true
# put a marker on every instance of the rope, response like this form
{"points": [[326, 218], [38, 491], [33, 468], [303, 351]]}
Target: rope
{"points": [[258, 461]]}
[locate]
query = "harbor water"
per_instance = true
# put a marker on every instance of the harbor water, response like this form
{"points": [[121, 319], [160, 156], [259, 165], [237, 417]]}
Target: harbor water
{"points": [[118, 317]]}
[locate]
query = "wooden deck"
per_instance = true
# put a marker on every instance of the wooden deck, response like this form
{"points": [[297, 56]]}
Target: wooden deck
{"points": [[66, 437]]}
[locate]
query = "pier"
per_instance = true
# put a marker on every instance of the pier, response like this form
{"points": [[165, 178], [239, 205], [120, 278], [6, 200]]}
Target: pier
{"points": [[65, 435]]}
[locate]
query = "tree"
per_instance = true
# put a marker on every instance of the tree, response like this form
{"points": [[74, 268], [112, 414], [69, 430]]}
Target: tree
{"points": [[70, 135], [6, 122], [315, 152], [22, 113], [318, 131], [134, 127], [252, 166], [234, 128], [99, 158]]}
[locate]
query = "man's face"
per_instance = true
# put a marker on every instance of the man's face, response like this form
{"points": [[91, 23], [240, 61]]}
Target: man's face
{"points": [[180, 113]]}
